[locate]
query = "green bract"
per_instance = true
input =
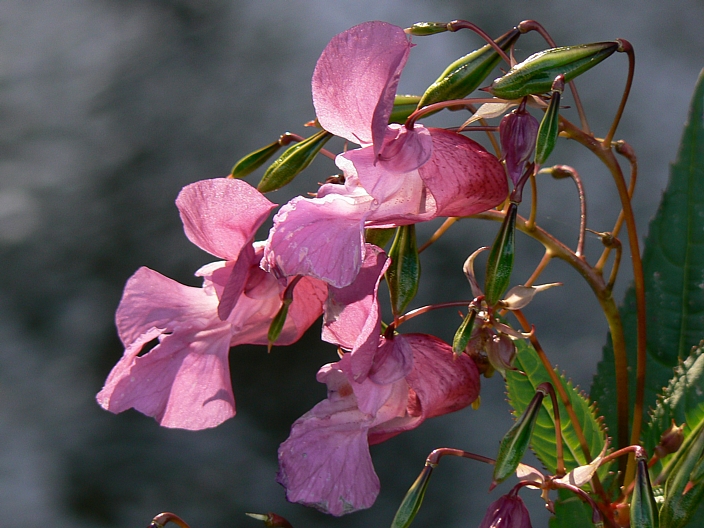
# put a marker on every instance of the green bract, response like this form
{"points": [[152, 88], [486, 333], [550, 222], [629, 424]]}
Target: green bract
{"points": [[549, 128], [465, 75], [500, 263], [536, 74], [403, 274]]}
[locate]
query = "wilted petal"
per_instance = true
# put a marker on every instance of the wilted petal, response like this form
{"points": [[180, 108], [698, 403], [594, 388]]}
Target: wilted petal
{"points": [[352, 315], [184, 381], [507, 512], [319, 237], [355, 80], [325, 462], [461, 176], [221, 215]]}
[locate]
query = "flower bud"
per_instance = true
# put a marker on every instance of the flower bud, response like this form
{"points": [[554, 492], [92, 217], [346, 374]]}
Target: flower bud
{"points": [[507, 512], [465, 75], [403, 274], [292, 162], [670, 441], [518, 132], [514, 444], [254, 160], [404, 105], [464, 332], [423, 29], [500, 263], [270, 519], [412, 501], [644, 511], [536, 74]]}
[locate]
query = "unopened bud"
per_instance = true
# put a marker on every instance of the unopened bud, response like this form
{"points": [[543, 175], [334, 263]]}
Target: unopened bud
{"points": [[500, 263], [464, 332], [644, 511], [465, 75], [254, 160], [270, 519], [518, 132], [292, 162], [549, 129], [423, 29], [403, 274], [670, 441], [536, 74]]}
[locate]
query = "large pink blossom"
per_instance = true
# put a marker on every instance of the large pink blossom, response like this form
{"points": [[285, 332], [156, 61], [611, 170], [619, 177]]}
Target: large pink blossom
{"points": [[184, 381], [326, 463], [400, 176]]}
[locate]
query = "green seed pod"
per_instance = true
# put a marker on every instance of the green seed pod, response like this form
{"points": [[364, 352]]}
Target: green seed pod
{"points": [[548, 131], [292, 162], [403, 274], [514, 444], [681, 494], [536, 74], [465, 75], [404, 105], [423, 29], [414, 498], [254, 160], [500, 263], [644, 511], [464, 332]]}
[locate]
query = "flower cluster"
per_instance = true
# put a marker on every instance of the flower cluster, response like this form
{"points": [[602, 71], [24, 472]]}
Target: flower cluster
{"points": [[383, 383]]}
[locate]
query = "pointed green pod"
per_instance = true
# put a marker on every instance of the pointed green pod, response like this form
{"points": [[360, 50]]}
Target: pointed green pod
{"points": [[254, 160], [464, 332], [536, 74], [682, 496], [423, 29], [500, 263], [548, 131], [292, 162], [412, 501], [404, 105], [514, 444], [465, 75], [403, 274], [644, 511]]}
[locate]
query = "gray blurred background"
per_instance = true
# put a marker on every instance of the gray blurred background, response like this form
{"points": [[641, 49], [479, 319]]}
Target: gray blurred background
{"points": [[109, 107]]}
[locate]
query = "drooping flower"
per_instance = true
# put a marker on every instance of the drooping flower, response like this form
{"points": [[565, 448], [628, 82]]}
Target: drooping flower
{"points": [[326, 463], [400, 176], [184, 380], [508, 511], [518, 132]]}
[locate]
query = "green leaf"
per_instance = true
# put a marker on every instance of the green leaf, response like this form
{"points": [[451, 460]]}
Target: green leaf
{"points": [[571, 512], [520, 391], [681, 401], [673, 262]]}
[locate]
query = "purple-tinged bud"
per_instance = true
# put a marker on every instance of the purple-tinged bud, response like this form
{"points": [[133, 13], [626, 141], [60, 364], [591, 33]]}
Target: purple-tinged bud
{"points": [[518, 132], [507, 512], [270, 519], [670, 441]]}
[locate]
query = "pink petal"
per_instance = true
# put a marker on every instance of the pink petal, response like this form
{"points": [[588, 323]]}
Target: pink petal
{"points": [[325, 462], [393, 360], [221, 215], [382, 402], [461, 176], [355, 80], [352, 315], [319, 237], [405, 150], [184, 381]]}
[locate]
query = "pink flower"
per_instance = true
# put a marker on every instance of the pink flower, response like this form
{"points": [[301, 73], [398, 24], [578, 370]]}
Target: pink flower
{"points": [[507, 512], [184, 381], [326, 463], [400, 175]]}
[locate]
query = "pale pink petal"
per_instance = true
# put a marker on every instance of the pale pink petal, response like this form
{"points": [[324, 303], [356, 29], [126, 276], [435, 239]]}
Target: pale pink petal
{"points": [[325, 462], [221, 215], [236, 281], [462, 178], [393, 360], [382, 402], [355, 80], [405, 150], [184, 381], [352, 314], [319, 237]]}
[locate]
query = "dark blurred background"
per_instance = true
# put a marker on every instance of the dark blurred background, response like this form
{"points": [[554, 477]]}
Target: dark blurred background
{"points": [[109, 107]]}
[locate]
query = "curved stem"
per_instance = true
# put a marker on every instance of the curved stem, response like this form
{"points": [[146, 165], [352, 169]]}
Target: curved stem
{"points": [[456, 25], [565, 171], [606, 155], [434, 457], [628, 49]]}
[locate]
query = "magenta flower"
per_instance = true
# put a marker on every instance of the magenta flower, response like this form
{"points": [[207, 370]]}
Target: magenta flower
{"points": [[400, 175], [325, 462], [184, 381], [507, 512]]}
